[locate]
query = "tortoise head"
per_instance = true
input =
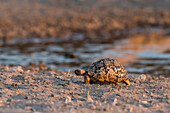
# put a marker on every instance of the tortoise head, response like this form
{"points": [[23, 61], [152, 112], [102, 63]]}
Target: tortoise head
{"points": [[79, 72]]}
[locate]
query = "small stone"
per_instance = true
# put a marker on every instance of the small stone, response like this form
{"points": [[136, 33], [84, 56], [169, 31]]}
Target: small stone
{"points": [[114, 102], [144, 95], [17, 69], [144, 102], [161, 77], [1, 104], [106, 109], [17, 92], [108, 87], [26, 97], [6, 68], [28, 71], [70, 83], [140, 105], [56, 96], [93, 107], [168, 101], [53, 75], [52, 95], [142, 77], [167, 97], [35, 88], [156, 105], [42, 64], [22, 82], [9, 100], [68, 100], [14, 84], [131, 109], [65, 85], [28, 108], [89, 99], [43, 81], [153, 95]]}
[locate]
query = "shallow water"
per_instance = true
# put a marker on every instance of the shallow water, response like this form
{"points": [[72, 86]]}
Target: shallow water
{"points": [[149, 54]]}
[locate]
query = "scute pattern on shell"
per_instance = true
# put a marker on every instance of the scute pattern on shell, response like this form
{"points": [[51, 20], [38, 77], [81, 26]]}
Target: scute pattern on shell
{"points": [[107, 70]]}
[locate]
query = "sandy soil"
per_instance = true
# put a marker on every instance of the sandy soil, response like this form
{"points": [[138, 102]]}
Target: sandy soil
{"points": [[36, 88]]}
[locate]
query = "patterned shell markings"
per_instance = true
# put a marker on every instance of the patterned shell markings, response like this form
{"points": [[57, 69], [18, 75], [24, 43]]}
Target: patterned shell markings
{"points": [[107, 70]]}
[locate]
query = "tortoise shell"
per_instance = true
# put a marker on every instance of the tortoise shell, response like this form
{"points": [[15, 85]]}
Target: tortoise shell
{"points": [[105, 71]]}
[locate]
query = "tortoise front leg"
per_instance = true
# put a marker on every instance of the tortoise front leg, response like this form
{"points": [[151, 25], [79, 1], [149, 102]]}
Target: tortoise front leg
{"points": [[86, 79], [126, 81]]}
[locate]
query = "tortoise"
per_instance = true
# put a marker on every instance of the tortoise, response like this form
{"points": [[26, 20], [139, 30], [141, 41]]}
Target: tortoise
{"points": [[103, 71]]}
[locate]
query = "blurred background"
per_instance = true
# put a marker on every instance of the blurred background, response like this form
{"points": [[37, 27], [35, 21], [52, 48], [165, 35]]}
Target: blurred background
{"points": [[70, 34]]}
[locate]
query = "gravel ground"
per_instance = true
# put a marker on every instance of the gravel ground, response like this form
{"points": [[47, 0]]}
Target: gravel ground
{"points": [[36, 88]]}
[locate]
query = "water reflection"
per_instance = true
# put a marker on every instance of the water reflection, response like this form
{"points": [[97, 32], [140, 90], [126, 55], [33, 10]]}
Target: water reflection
{"points": [[149, 53], [152, 52]]}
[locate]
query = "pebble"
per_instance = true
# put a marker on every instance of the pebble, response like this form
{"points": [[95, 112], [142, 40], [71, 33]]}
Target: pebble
{"points": [[56, 96], [68, 99], [6, 68], [28, 71], [130, 109], [17, 92], [17, 68], [144, 102], [114, 102], [106, 109], [142, 77], [14, 84], [89, 99], [167, 97], [153, 95], [28, 108], [93, 107]]}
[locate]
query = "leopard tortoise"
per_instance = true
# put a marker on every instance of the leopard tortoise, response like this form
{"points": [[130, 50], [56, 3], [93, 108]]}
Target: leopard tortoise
{"points": [[105, 70]]}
